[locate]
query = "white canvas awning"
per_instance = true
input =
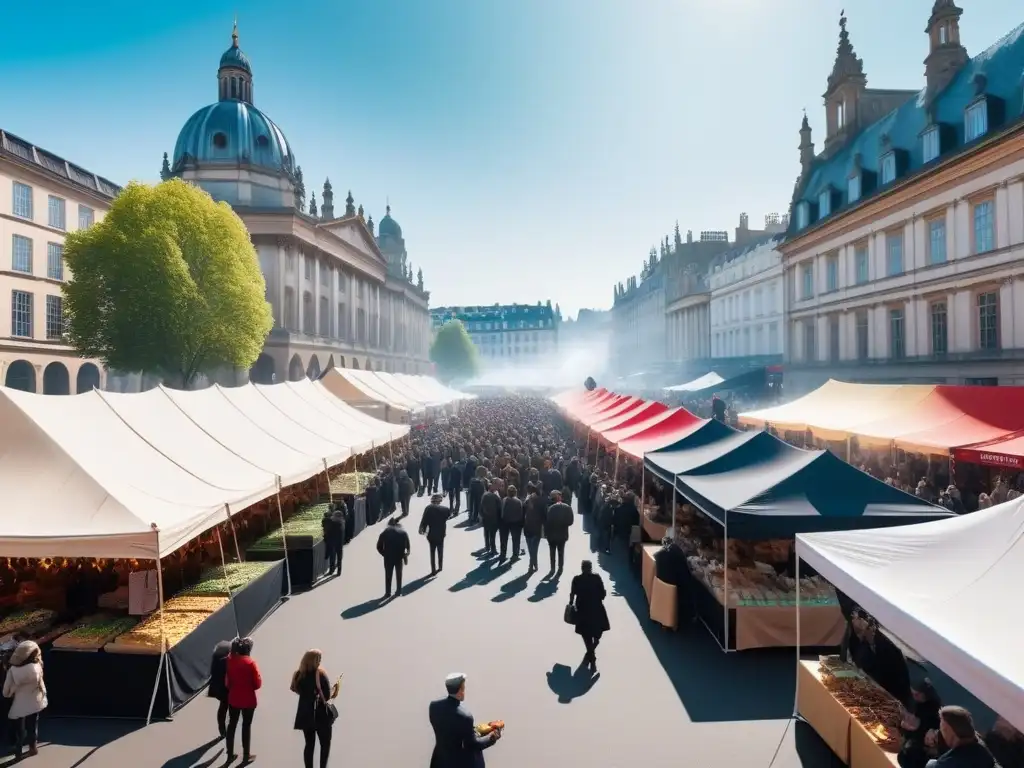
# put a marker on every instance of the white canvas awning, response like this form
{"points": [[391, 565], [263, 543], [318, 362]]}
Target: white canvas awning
{"points": [[380, 431], [705, 381], [410, 389], [301, 394], [944, 588], [435, 388], [361, 388]]}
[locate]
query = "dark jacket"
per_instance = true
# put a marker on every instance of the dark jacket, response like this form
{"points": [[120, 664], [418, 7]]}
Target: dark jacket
{"points": [[512, 511], [558, 522], [310, 712], [218, 670], [589, 593], [393, 543], [534, 513], [490, 508], [434, 522], [456, 743], [455, 477], [551, 480], [405, 488], [885, 664], [974, 755], [334, 530], [477, 487], [572, 475]]}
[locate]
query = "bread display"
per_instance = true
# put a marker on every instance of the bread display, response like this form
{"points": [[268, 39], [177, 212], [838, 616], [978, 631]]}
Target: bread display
{"points": [[875, 709], [94, 633]]}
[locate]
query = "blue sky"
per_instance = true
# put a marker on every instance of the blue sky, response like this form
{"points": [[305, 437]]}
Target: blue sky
{"points": [[531, 149]]}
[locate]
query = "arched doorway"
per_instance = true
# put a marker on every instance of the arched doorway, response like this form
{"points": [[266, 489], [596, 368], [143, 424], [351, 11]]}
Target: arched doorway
{"points": [[341, 361], [369, 365], [88, 378], [56, 380], [295, 372], [355, 363], [313, 369], [263, 371], [21, 375]]}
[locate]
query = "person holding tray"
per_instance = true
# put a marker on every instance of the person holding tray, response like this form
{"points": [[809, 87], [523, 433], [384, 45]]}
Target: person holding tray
{"points": [[457, 742]]}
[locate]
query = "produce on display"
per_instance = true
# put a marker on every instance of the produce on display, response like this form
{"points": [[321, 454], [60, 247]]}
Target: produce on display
{"points": [[179, 619], [96, 632], [351, 483], [25, 620], [877, 711], [494, 725], [212, 582], [306, 522]]}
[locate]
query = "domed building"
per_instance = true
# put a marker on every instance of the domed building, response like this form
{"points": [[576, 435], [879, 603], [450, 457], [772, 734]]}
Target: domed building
{"points": [[341, 295]]}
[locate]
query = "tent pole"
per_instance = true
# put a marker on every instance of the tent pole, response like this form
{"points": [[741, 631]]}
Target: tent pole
{"points": [[643, 492], [725, 583], [615, 475], [587, 452], [327, 474], [163, 642], [849, 453], [373, 450], [287, 560], [227, 582], [796, 695], [672, 530], [391, 450]]}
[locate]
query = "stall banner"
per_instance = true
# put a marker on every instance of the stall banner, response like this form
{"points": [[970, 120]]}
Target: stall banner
{"points": [[143, 596], [988, 458]]}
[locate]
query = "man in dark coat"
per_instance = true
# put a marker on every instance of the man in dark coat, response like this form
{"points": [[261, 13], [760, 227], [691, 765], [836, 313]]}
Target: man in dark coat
{"points": [[490, 516], [406, 488], [333, 524], [556, 527], [456, 742], [534, 514], [477, 488], [412, 466], [454, 486], [434, 524], [429, 466], [393, 545], [551, 480], [572, 479]]}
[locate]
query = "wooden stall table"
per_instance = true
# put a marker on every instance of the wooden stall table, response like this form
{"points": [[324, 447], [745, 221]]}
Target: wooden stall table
{"points": [[654, 531], [647, 568], [815, 704], [664, 604], [865, 752], [774, 626]]}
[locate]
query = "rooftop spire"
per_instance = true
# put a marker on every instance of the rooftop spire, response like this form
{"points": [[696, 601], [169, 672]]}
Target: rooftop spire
{"points": [[234, 33], [847, 65]]}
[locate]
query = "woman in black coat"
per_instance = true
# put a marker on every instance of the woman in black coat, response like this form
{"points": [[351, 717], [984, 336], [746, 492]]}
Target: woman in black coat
{"points": [[587, 595], [312, 715], [218, 688]]}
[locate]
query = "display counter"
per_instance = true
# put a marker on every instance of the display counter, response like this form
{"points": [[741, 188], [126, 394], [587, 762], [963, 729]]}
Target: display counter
{"points": [[647, 567], [664, 604], [307, 564], [653, 531]]}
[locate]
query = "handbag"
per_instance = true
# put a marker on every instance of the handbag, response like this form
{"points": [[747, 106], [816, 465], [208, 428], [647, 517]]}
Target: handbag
{"points": [[570, 614], [328, 705]]}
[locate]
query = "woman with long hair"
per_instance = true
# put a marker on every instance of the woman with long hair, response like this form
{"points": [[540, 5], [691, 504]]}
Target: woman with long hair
{"points": [[24, 684], [314, 715]]}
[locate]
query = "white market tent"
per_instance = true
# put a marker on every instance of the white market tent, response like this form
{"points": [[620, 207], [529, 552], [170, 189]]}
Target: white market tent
{"points": [[434, 388], [942, 588], [410, 389], [371, 381], [707, 380], [357, 388], [362, 435]]}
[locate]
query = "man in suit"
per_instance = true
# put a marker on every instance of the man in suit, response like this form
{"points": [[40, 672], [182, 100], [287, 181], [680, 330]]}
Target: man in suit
{"points": [[434, 524], [456, 742], [393, 546], [557, 523]]}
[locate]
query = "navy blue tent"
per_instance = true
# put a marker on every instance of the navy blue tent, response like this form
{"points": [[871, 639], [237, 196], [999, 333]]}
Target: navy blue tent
{"points": [[705, 443]]}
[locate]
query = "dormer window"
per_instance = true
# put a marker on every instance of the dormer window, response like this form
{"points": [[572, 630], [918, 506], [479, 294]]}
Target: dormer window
{"points": [[930, 144], [976, 120], [802, 216], [853, 188], [824, 203], [888, 168]]}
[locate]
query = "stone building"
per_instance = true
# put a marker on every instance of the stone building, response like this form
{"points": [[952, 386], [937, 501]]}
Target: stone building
{"points": [[507, 334], [342, 294]]}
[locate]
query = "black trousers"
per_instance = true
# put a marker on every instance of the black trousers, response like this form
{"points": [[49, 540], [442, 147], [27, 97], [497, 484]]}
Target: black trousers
{"points": [[591, 645], [405, 505], [490, 537], [432, 483], [604, 538], [323, 733], [222, 717], [516, 532], [392, 570], [25, 732], [436, 551], [246, 714], [333, 556], [474, 505], [559, 549], [454, 499]]}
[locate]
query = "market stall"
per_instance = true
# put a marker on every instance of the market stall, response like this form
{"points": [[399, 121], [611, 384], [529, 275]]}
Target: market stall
{"points": [[747, 490], [711, 379], [647, 409]]}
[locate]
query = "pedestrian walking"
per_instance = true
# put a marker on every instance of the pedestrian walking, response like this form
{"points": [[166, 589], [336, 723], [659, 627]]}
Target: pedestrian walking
{"points": [[534, 514], [243, 680], [511, 523], [25, 686], [218, 688], [315, 715], [477, 488], [333, 524], [434, 525], [587, 595], [456, 742], [393, 545], [406, 488], [556, 527], [490, 517]]}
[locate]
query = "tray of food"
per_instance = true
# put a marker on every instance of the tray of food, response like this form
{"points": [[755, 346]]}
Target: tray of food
{"points": [[194, 603], [145, 637], [302, 527], [351, 483], [95, 633], [213, 583], [23, 620]]}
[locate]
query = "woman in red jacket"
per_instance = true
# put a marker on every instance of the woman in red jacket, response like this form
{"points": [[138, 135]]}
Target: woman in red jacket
{"points": [[243, 680]]}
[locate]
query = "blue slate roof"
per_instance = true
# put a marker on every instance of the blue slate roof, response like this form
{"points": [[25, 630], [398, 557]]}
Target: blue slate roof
{"points": [[1002, 67], [529, 314]]}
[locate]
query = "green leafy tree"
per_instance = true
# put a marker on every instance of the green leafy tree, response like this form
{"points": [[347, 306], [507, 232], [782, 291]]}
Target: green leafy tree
{"points": [[453, 353], [167, 283]]}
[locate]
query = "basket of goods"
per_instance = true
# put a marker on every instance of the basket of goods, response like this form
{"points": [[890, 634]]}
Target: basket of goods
{"points": [[212, 582], [494, 725], [27, 621], [350, 483], [181, 615], [95, 633], [302, 530]]}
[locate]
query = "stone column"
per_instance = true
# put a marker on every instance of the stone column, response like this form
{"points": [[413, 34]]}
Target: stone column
{"points": [[282, 271]]}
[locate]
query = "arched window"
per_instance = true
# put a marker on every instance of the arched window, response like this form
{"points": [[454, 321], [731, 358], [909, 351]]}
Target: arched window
{"points": [[234, 87]]}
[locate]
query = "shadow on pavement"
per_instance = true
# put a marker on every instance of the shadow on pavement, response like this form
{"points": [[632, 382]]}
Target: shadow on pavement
{"points": [[569, 685], [364, 608], [415, 584], [188, 759], [485, 573], [544, 590], [511, 588]]}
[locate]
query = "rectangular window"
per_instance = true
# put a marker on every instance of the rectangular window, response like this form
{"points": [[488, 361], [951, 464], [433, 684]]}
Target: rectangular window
{"points": [[862, 335], [894, 253], [802, 216], [833, 339], [824, 203], [984, 227], [86, 216], [860, 263], [937, 241], [55, 212], [54, 318], [897, 334], [988, 321], [810, 341], [930, 144], [325, 277], [21, 314], [308, 262], [976, 121], [832, 273], [853, 188], [773, 338], [55, 261], [889, 168], [21, 254], [807, 276], [22, 200], [940, 328]]}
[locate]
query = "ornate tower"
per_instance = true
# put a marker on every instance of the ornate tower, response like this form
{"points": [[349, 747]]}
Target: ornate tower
{"points": [[350, 208], [327, 202], [806, 146], [846, 86], [234, 77], [945, 53], [312, 204]]}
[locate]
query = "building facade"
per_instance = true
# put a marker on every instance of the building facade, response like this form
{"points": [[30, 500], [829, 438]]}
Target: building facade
{"points": [[42, 197], [746, 302], [507, 334], [342, 295], [588, 335], [902, 262]]}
